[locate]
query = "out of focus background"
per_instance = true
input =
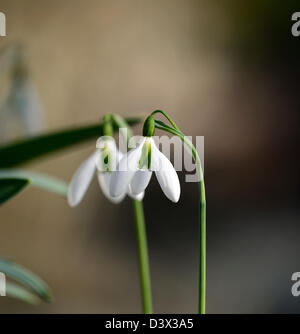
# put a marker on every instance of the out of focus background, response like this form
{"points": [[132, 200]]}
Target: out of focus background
{"points": [[228, 71]]}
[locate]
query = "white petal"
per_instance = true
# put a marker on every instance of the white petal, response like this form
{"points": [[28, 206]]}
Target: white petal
{"points": [[107, 144], [165, 174], [140, 181], [138, 197], [104, 179], [126, 169], [120, 155], [82, 179]]}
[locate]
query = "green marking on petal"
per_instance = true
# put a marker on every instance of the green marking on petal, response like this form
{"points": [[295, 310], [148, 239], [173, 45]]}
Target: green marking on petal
{"points": [[106, 160], [149, 155], [145, 160]]}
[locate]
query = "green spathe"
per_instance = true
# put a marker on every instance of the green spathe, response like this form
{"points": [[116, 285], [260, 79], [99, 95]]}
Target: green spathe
{"points": [[149, 127]]}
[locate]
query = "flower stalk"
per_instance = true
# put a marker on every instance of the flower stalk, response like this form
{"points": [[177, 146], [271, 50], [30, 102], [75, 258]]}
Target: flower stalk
{"points": [[202, 206], [143, 256]]}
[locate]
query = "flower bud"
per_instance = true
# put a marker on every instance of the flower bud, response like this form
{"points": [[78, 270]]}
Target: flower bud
{"points": [[149, 126]]}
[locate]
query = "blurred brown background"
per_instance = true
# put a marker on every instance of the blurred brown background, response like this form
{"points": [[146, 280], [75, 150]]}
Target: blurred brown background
{"points": [[224, 70]]}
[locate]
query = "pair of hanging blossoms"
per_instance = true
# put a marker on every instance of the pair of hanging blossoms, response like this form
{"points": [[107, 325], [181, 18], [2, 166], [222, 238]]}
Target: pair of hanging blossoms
{"points": [[120, 175]]}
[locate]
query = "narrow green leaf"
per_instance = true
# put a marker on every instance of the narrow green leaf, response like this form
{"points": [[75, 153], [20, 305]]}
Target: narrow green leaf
{"points": [[38, 180], [32, 148], [26, 278], [9, 187], [18, 292]]}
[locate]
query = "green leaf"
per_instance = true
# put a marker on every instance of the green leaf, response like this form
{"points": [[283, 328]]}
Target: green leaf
{"points": [[26, 278], [18, 292], [32, 148], [38, 180], [9, 187]]}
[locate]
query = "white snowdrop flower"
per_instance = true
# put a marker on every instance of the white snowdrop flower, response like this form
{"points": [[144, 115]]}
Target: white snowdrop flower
{"points": [[103, 161], [136, 167]]}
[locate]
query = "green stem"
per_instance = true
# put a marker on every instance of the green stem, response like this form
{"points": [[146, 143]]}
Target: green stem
{"points": [[167, 117], [202, 214], [143, 256], [202, 228], [202, 249]]}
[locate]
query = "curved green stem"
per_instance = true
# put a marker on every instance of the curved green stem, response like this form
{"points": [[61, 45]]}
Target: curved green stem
{"points": [[202, 213], [167, 117], [143, 256]]}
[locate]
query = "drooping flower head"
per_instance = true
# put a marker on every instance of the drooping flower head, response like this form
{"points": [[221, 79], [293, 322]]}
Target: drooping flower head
{"points": [[103, 161], [135, 169]]}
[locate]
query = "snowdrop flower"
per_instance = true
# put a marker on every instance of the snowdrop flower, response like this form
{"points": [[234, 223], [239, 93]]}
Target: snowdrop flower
{"points": [[136, 167], [103, 161]]}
